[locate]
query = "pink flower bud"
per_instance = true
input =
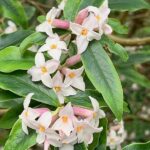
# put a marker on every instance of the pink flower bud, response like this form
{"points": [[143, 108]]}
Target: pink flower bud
{"points": [[41, 110], [82, 112], [73, 60], [81, 16], [62, 24]]}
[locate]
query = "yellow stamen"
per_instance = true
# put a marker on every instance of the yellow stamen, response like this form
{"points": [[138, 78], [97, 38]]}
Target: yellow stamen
{"points": [[43, 69], [41, 128], [49, 21], [65, 119], [98, 17], [112, 140], [57, 88], [84, 32], [53, 46], [94, 115], [26, 114], [72, 75], [79, 128]]}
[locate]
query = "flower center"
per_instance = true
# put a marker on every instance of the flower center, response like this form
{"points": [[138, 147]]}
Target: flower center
{"points": [[72, 75], [84, 32], [41, 128], [98, 17], [49, 21], [79, 128], [53, 46], [112, 140], [57, 88], [65, 119], [26, 114], [43, 69], [94, 115]]}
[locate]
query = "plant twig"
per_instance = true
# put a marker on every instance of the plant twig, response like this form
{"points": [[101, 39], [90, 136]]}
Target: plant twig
{"points": [[130, 41]]}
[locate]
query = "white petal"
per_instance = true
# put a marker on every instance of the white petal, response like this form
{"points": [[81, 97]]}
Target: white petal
{"points": [[39, 60], [107, 29], [43, 48], [55, 53], [76, 28], [41, 27], [52, 66], [46, 145], [67, 147], [93, 35], [46, 80], [32, 114], [57, 79], [40, 138], [61, 98], [69, 91], [45, 119], [52, 13], [27, 100], [24, 128], [62, 45], [95, 103], [82, 44], [78, 83], [93, 9]]}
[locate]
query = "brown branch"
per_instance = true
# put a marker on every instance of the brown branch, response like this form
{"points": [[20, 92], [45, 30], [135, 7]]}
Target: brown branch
{"points": [[130, 41]]}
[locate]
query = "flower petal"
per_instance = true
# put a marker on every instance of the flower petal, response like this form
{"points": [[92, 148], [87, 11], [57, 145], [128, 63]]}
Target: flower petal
{"points": [[39, 59], [78, 83], [93, 35], [76, 28], [69, 91], [27, 100], [67, 147], [35, 73], [95, 103], [52, 66], [43, 48], [55, 53], [24, 128], [107, 29], [46, 80], [40, 138]]}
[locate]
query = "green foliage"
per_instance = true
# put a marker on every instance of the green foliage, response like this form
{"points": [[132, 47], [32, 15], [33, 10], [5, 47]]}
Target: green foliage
{"points": [[21, 85], [104, 77], [18, 140], [11, 60], [80, 147], [15, 11]]}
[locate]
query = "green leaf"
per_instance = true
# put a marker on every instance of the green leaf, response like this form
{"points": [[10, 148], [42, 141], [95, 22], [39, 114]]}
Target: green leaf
{"points": [[104, 77], [13, 38], [18, 140], [10, 117], [8, 99], [128, 5], [34, 38], [135, 77], [41, 18], [115, 48], [11, 60], [80, 147], [15, 11], [21, 85], [70, 12], [137, 146], [117, 26]]}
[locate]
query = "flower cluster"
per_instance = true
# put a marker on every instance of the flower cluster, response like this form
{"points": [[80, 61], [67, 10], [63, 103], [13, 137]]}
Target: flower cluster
{"points": [[64, 127], [116, 135]]}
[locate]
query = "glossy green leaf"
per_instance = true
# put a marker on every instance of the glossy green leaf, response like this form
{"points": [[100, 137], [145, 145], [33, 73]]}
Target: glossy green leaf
{"points": [[70, 12], [8, 99], [14, 10], [80, 147], [137, 146], [34, 38], [104, 77], [18, 140], [130, 5], [135, 77], [10, 117], [115, 48], [13, 38], [21, 85], [11, 60], [117, 26]]}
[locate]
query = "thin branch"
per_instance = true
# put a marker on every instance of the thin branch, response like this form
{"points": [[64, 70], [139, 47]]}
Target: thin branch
{"points": [[130, 41]]}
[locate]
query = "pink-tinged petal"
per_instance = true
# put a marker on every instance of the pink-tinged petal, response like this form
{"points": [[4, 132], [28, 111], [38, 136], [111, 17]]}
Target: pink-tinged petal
{"points": [[35, 73], [57, 79], [78, 111], [45, 119], [69, 91], [52, 66], [93, 35], [43, 48], [46, 145], [78, 83], [47, 80], [67, 147], [40, 138], [27, 100], [81, 16], [41, 111], [82, 44], [76, 28], [24, 128], [39, 60], [89, 139], [62, 24], [93, 9], [55, 53], [32, 114], [107, 29]]}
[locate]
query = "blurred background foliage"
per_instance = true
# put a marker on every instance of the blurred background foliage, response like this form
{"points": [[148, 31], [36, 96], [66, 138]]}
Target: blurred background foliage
{"points": [[134, 74]]}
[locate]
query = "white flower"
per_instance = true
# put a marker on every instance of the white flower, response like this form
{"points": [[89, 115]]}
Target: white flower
{"points": [[97, 112], [33, 48], [28, 114], [54, 47], [42, 70], [60, 88], [11, 28], [74, 78], [64, 123], [61, 6], [47, 26], [84, 34], [85, 131]]}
